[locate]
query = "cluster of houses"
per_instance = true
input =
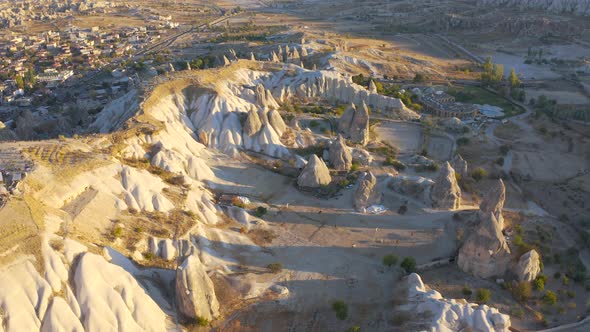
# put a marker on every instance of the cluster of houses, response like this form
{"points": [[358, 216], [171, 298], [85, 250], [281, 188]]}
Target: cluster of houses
{"points": [[15, 13], [46, 60]]}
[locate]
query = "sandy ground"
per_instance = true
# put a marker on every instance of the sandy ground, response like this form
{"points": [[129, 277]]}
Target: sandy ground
{"points": [[562, 97], [409, 139], [527, 71], [331, 252]]}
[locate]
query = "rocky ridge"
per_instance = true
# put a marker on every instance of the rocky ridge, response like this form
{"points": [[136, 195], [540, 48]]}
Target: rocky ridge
{"points": [[449, 314]]}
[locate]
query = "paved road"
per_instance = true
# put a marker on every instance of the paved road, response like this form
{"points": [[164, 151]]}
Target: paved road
{"points": [[171, 39]]}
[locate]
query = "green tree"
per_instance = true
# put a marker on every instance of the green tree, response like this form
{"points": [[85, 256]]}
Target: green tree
{"points": [[514, 81], [30, 76], [539, 282], [488, 66], [549, 298], [483, 295], [409, 264], [389, 260], [498, 73], [522, 291], [341, 309], [20, 82]]}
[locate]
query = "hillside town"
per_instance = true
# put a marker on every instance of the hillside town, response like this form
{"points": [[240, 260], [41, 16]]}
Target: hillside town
{"points": [[37, 71]]}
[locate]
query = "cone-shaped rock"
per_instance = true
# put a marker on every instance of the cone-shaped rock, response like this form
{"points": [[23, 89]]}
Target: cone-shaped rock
{"points": [[276, 121], [354, 124], [253, 123], [485, 252], [529, 266], [446, 193], [493, 202], [315, 174], [366, 194], [195, 294], [372, 87], [460, 165], [340, 155]]}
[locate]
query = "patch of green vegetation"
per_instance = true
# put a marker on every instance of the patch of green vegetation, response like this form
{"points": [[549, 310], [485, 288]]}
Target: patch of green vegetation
{"points": [[476, 95], [398, 165], [539, 282], [343, 183], [117, 231], [390, 260], [483, 295], [521, 291], [275, 267], [479, 174], [409, 264], [260, 211], [201, 321], [341, 309], [549, 298], [466, 291], [428, 168]]}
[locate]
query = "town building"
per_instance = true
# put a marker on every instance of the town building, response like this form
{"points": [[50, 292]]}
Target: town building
{"points": [[441, 104]]}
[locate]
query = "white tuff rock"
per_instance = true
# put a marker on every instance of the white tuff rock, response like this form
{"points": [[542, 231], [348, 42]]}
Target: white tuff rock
{"points": [[485, 252], [315, 174], [195, 294], [366, 193], [460, 165], [493, 202], [354, 124], [529, 266], [451, 315], [340, 156], [446, 193]]}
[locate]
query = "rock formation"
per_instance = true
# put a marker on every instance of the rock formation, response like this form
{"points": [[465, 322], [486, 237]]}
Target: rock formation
{"points": [[354, 124], [99, 289], [361, 156], [366, 193], [226, 61], [274, 58], [252, 124], [446, 193], [265, 98], [315, 174], [493, 202], [460, 165], [276, 122], [414, 186], [372, 87], [485, 252], [304, 52], [329, 85], [340, 156], [195, 294], [528, 267], [451, 315]]}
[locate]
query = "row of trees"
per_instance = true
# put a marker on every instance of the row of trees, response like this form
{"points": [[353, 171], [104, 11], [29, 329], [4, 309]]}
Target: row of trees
{"points": [[493, 75]]}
